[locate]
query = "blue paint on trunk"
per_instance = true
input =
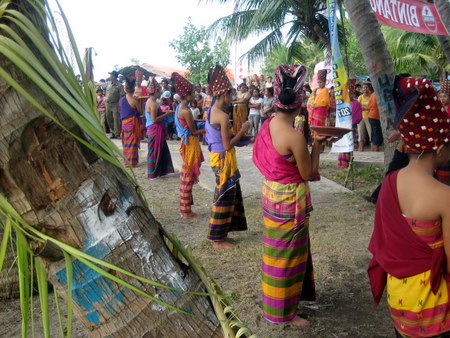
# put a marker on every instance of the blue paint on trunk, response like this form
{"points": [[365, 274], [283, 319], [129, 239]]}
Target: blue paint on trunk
{"points": [[89, 287]]}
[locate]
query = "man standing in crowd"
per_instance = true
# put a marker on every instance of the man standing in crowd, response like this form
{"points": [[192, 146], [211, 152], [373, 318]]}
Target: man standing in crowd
{"points": [[114, 91]]}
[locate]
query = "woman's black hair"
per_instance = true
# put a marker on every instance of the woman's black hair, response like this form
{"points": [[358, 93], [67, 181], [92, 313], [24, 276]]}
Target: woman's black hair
{"points": [[130, 85], [270, 90], [287, 96]]}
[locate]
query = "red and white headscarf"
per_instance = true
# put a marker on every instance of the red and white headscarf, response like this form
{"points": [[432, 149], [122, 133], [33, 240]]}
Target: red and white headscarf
{"points": [[218, 81], [291, 76], [182, 86], [154, 86], [424, 124]]}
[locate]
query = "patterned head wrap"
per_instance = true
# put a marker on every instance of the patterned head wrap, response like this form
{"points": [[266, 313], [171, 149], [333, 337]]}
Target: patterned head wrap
{"points": [[352, 85], [182, 86], [218, 81], [154, 86], [322, 75], [289, 76], [424, 124], [445, 87]]}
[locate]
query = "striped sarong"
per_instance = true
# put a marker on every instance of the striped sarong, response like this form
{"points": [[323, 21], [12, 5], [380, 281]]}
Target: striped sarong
{"points": [[159, 161], [287, 270], [227, 211], [191, 153], [319, 116], [344, 159], [443, 174], [130, 135]]}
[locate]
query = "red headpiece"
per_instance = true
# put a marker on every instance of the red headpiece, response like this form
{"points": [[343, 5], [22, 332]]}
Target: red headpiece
{"points": [[445, 86], [154, 86], [352, 85], [182, 86], [424, 124], [291, 76], [322, 75], [218, 81]]}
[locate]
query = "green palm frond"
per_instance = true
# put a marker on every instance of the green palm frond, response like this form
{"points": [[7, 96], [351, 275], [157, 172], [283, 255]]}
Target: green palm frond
{"points": [[263, 47], [49, 70]]}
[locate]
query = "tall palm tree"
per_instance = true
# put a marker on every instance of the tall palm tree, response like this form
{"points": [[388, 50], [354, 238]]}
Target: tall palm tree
{"points": [[378, 62], [443, 7], [420, 55], [77, 215], [301, 19]]}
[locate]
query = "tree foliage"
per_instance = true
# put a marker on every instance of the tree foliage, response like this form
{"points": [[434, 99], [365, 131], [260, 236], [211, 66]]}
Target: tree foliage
{"points": [[280, 22], [194, 52], [420, 55]]}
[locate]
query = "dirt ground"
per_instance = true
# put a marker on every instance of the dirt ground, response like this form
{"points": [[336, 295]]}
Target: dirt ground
{"points": [[341, 225]]}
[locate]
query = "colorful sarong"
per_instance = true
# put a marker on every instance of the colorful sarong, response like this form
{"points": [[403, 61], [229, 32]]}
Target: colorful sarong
{"points": [[415, 309], [159, 161], [344, 159], [319, 116], [131, 140], [443, 174], [287, 270], [191, 153], [240, 114], [227, 212]]}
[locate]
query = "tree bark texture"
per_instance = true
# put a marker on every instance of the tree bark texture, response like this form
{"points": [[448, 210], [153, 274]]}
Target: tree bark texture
{"points": [[443, 7], [65, 190], [379, 65]]}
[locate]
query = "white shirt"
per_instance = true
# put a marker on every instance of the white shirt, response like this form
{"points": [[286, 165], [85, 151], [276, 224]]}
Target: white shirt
{"points": [[255, 111]]}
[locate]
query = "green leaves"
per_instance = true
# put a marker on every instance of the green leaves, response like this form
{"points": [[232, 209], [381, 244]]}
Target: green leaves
{"points": [[194, 52]]}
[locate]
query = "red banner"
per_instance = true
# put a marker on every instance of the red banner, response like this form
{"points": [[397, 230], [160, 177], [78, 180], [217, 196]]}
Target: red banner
{"points": [[409, 15]]}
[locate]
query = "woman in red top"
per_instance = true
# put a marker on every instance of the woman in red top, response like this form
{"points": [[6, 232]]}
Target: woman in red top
{"points": [[411, 239]]}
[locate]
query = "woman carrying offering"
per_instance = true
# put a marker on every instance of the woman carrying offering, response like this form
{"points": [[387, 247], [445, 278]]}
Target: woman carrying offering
{"points": [[411, 238], [282, 156], [130, 112], [190, 149], [227, 212], [159, 161]]}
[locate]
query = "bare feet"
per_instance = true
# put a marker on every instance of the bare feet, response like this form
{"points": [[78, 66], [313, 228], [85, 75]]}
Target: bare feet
{"points": [[190, 215], [299, 321], [223, 245]]}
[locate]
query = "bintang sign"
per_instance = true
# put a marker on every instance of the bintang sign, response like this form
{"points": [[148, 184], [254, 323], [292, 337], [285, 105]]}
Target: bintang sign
{"points": [[410, 15]]}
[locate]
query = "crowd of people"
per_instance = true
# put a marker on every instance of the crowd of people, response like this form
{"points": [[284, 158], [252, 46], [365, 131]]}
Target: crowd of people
{"points": [[412, 224]]}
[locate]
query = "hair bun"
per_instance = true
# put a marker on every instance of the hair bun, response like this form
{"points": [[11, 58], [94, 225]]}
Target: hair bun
{"points": [[287, 96]]}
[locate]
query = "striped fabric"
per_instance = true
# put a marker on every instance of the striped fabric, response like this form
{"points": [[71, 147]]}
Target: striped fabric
{"points": [[130, 140], [227, 211], [192, 156], [415, 309], [344, 159], [319, 116], [159, 161], [443, 174], [287, 270]]}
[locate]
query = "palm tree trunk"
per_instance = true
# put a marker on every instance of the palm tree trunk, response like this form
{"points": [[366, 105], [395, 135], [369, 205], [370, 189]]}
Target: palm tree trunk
{"points": [[443, 7], [66, 191], [378, 63]]}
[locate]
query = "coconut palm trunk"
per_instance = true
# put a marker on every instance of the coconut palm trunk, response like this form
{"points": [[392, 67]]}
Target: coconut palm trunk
{"points": [[378, 63], [68, 192], [443, 7]]}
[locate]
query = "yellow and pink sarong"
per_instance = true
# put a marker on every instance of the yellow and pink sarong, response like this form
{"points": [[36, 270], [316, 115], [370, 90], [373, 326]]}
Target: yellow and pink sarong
{"points": [[227, 212], [287, 269], [192, 155]]}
